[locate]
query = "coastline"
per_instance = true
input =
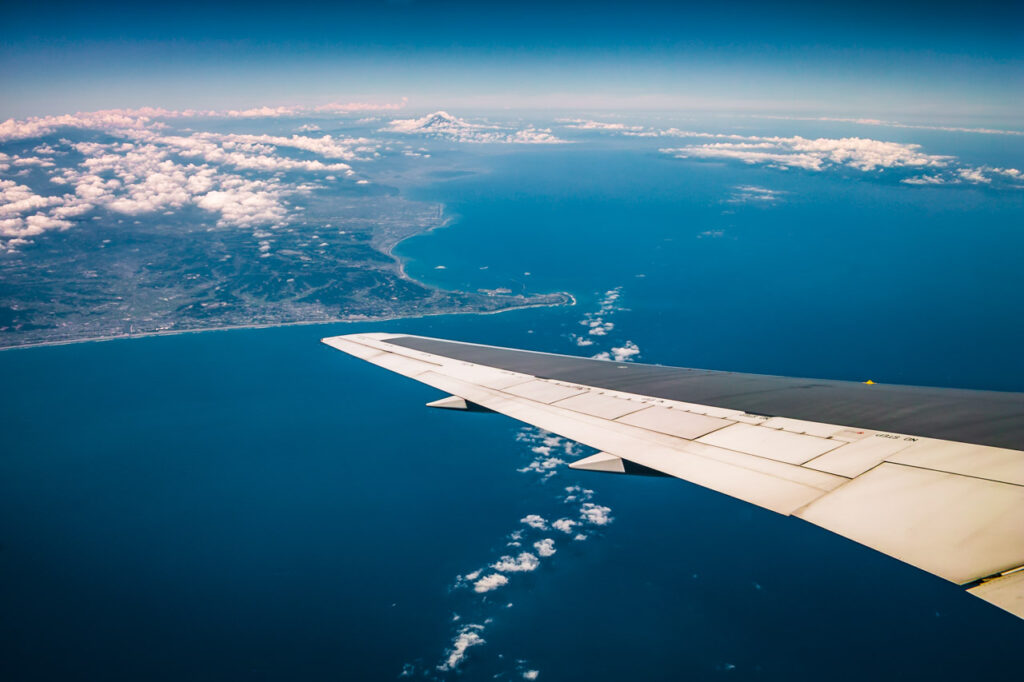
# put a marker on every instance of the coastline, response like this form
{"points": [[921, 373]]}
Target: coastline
{"points": [[400, 263], [270, 325]]}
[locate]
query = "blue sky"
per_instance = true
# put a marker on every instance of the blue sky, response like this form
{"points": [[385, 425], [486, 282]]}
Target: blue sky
{"points": [[937, 61]]}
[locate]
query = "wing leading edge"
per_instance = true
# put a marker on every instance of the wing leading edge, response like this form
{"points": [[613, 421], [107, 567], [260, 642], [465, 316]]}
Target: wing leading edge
{"points": [[933, 477]]}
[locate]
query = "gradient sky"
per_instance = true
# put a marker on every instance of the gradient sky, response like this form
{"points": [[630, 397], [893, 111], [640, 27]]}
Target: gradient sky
{"points": [[937, 61]]}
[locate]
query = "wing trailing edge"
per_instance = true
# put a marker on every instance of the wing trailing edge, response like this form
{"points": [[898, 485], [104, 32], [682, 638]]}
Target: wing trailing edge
{"points": [[951, 506]]}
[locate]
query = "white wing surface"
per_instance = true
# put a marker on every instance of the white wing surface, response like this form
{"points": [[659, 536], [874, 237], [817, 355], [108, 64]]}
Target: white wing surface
{"points": [[933, 477]]}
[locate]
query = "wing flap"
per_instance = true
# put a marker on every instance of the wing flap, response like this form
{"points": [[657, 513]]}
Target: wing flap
{"points": [[957, 527]]}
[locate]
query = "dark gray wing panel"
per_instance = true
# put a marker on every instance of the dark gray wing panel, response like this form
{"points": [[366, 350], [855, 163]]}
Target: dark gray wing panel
{"points": [[984, 417]]}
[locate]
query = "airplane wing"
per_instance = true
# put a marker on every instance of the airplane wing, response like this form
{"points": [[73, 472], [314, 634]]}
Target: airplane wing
{"points": [[933, 477]]}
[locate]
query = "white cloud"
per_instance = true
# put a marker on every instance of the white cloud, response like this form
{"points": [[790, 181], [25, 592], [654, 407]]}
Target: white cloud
{"points": [[565, 525], [39, 223], [25, 214], [545, 547], [926, 180], [112, 119], [148, 117], [136, 178], [443, 124], [255, 152], [535, 521], [747, 193], [984, 175], [246, 205], [863, 154], [625, 353], [576, 492], [595, 514], [894, 124], [585, 124], [143, 174], [32, 161], [16, 199], [468, 636], [525, 562], [974, 175], [530, 674], [490, 582], [544, 465], [302, 110], [596, 322]]}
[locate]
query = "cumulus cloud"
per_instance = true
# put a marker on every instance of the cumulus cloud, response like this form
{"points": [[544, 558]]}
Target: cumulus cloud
{"points": [[490, 582], [546, 466], [577, 492], [582, 522], [467, 636], [595, 514], [145, 172], [596, 322], [975, 175], [545, 547], [525, 562], [16, 199], [31, 161], [564, 525], [627, 352], [111, 119], [25, 214], [142, 178], [534, 521], [442, 124], [551, 451], [255, 152], [244, 205], [862, 154]]}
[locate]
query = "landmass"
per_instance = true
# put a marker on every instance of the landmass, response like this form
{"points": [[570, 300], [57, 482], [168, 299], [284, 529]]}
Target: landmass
{"points": [[122, 224], [122, 278]]}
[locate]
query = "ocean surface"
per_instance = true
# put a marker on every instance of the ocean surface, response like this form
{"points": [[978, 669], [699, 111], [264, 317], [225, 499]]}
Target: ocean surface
{"points": [[251, 504]]}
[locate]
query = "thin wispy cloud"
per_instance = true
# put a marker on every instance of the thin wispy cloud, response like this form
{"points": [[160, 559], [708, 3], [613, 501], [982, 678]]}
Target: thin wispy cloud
{"points": [[119, 120], [896, 124], [743, 194], [586, 124]]}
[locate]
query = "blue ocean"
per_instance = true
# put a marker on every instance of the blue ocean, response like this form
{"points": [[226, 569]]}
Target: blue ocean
{"points": [[254, 505]]}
